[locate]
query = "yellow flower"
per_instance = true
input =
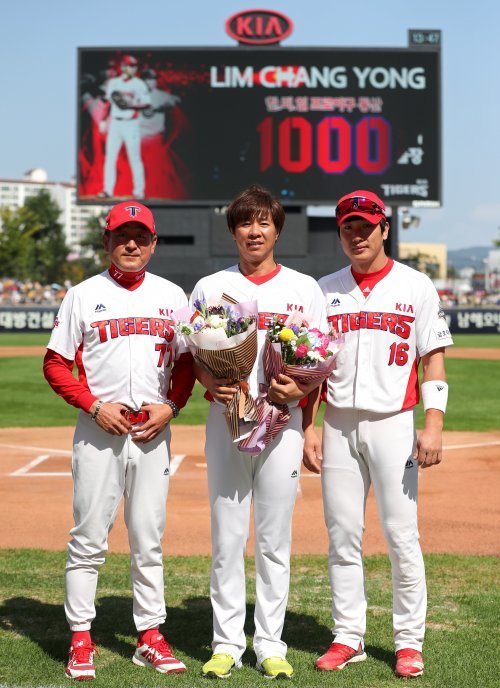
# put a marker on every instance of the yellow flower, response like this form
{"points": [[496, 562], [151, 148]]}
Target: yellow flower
{"points": [[286, 334]]}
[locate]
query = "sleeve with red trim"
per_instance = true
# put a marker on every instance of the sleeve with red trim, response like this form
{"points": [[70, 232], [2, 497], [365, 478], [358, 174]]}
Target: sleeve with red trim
{"points": [[324, 392], [182, 380], [58, 373]]}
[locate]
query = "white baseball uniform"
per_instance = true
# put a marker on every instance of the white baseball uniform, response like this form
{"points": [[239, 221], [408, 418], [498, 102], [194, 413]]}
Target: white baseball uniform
{"points": [[124, 129], [270, 480], [123, 342], [369, 437]]}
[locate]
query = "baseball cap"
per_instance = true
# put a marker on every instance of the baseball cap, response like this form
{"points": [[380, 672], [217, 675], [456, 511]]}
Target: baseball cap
{"points": [[129, 60], [361, 203], [130, 211]]}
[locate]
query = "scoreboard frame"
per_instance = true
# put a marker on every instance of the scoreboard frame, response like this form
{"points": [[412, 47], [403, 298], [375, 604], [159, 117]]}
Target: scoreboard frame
{"points": [[308, 123]]}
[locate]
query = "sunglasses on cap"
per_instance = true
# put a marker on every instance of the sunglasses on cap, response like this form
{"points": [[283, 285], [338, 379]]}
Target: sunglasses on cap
{"points": [[358, 204]]}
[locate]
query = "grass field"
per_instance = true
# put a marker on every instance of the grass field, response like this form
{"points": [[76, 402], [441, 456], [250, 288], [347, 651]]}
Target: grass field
{"points": [[27, 400], [461, 643], [24, 339]]}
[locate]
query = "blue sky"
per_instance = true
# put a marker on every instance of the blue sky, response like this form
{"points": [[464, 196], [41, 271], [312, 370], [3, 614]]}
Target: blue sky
{"points": [[37, 82]]}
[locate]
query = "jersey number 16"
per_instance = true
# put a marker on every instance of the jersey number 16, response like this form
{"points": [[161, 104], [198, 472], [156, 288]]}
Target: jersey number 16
{"points": [[399, 354]]}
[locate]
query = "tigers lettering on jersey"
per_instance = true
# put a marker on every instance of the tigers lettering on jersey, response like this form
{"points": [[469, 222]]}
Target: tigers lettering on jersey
{"points": [[124, 327], [267, 318], [396, 323]]}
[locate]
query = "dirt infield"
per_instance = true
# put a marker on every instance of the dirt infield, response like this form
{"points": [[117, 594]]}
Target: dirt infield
{"points": [[459, 509]]}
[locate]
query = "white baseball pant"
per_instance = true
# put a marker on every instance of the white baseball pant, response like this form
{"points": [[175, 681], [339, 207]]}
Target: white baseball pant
{"points": [[359, 448], [105, 468], [234, 480], [127, 132]]}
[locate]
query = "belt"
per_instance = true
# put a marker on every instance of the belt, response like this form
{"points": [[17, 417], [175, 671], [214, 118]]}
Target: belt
{"points": [[135, 417]]}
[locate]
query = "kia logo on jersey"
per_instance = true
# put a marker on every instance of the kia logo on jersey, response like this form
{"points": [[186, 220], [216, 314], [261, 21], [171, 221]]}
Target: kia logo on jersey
{"points": [[259, 27], [133, 210]]}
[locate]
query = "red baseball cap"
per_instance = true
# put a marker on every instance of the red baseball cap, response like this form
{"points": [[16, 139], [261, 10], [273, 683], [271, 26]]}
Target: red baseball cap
{"points": [[360, 203], [130, 211], [130, 60]]}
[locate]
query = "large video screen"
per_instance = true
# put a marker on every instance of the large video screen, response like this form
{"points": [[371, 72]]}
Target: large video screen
{"points": [[190, 126]]}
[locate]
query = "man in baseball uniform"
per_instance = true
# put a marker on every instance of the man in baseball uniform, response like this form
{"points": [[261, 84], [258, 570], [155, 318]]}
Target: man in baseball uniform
{"points": [[128, 96], [391, 320], [269, 480], [117, 328]]}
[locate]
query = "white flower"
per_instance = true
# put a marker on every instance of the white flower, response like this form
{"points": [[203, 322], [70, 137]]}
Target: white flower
{"points": [[215, 321], [314, 355]]}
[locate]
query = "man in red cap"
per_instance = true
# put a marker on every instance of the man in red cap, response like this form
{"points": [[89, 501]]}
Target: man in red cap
{"points": [[133, 377], [128, 95], [391, 320]]}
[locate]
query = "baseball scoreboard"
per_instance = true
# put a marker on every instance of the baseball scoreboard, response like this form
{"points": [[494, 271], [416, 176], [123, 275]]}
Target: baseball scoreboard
{"points": [[307, 123]]}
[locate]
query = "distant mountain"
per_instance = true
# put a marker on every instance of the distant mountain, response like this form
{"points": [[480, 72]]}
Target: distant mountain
{"points": [[472, 257]]}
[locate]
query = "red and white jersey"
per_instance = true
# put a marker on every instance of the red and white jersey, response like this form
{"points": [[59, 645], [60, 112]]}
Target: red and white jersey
{"points": [[285, 293], [123, 340], [386, 333], [134, 90]]}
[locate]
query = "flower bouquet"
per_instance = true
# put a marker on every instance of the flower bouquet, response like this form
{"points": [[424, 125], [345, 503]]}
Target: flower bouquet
{"points": [[222, 336], [306, 355]]}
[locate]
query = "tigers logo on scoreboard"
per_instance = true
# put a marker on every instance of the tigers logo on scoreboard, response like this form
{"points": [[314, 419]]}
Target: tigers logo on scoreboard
{"points": [[259, 27]]}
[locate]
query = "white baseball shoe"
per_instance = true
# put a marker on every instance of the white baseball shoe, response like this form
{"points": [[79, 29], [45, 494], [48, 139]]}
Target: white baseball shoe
{"points": [[157, 654]]}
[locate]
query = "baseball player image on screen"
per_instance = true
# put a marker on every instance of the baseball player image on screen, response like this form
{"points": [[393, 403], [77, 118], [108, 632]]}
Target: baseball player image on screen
{"points": [[133, 377], [270, 479], [127, 96], [391, 320]]}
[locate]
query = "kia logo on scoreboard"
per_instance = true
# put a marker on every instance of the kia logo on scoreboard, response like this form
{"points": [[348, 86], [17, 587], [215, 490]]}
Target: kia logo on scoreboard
{"points": [[259, 27]]}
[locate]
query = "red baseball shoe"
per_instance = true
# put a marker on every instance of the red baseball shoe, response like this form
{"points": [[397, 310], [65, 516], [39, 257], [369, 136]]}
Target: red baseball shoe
{"points": [[81, 661], [157, 654], [409, 663], [338, 656]]}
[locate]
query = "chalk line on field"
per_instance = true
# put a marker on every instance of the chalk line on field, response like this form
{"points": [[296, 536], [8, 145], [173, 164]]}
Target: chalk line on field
{"points": [[472, 446], [24, 447], [175, 462], [31, 464], [25, 471]]}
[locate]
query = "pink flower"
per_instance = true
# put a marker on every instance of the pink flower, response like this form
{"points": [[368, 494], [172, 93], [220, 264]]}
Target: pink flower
{"points": [[301, 351], [321, 351]]}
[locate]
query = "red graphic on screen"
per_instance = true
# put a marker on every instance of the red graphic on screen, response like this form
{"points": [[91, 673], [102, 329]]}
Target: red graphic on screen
{"points": [[130, 126]]}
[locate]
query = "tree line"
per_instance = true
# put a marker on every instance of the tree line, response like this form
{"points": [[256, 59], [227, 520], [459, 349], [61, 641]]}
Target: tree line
{"points": [[33, 245]]}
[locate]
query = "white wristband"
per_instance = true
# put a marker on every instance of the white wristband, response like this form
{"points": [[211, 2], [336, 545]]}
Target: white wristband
{"points": [[435, 395]]}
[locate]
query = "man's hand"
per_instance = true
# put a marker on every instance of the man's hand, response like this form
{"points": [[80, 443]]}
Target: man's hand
{"points": [[284, 390], [160, 416], [429, 442], [110, 418], [312, 457], [222, 389]]}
